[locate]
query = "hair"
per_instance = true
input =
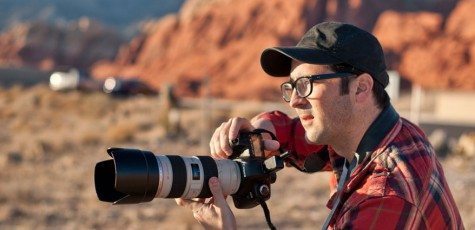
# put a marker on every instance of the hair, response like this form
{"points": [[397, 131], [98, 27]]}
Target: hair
{"points": [[381, 96]]}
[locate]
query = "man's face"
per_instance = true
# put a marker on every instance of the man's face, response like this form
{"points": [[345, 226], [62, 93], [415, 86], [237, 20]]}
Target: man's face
{"points": [[325, 113]]}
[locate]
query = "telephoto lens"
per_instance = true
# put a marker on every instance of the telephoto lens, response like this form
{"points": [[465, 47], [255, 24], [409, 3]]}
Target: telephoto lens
{"points": [[135, 176]]}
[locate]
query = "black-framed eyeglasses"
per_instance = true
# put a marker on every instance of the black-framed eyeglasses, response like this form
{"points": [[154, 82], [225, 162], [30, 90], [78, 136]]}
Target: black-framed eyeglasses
{"points": [[304, 85]]}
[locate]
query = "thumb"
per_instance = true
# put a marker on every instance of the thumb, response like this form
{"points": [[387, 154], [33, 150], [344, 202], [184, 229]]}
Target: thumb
{"points": [[217, 192], [271, 145]]}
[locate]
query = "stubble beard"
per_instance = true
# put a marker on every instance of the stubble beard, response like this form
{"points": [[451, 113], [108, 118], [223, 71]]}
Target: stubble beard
{"points": [[329, 131], [315, 135]]}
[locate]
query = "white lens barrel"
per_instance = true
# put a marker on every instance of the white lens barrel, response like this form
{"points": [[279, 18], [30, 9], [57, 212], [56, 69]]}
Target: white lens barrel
{"points": [[229, 175], [165, 178], [187, 177]]}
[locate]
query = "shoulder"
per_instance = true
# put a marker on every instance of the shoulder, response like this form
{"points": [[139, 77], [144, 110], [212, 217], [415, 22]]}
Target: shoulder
{"points": [[410, 138], [410, 157], [380, 213], [405, 148], [403, 176], [409, 162], [401, 167]]}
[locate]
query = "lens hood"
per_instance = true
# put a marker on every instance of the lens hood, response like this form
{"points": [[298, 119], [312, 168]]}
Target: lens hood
{"points": [[132, 176]]}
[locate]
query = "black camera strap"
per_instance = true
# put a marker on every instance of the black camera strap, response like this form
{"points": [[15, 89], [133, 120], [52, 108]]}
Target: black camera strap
{"points": [[286, 155], [266, 213], [262, 202]]}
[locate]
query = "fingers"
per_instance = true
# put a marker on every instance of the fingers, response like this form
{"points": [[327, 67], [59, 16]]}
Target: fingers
{"points": [[218, 197], [198, 203], [238, 124], [271, 145], [224, 139], [220, 141], [201, 200], [215, 146]]}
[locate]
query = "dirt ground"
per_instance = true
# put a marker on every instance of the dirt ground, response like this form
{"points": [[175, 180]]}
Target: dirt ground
{"points": [[51, 141]]}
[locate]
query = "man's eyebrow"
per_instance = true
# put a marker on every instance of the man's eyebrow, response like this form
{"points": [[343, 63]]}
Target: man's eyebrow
{"points": [[292, 79], [300, 75]]}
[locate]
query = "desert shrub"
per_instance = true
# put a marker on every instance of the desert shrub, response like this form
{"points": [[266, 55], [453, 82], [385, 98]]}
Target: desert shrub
{"points": [[90, 137], [95, 105], [123, 131]]}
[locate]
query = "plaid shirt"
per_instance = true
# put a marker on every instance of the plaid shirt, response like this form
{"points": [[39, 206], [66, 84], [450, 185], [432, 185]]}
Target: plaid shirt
{"points": [[398, 182]]}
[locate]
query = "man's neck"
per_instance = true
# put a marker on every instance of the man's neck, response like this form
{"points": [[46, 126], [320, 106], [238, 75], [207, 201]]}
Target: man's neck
{"points": [[347, 143]]}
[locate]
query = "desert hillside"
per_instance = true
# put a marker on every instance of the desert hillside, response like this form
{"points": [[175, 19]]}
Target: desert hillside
{"points": [[50, 142], [216, 44], [429, 44]]}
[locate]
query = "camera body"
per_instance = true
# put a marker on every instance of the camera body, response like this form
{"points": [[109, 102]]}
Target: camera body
{"points": [[258, 173], [135, 176]]}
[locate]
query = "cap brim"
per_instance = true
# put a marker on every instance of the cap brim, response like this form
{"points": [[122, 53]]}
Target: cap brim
{"points": [[277, 61]]}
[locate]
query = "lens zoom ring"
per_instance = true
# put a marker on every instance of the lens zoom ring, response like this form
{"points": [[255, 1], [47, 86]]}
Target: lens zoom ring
{"points": [[179, 176], [209, 170]]}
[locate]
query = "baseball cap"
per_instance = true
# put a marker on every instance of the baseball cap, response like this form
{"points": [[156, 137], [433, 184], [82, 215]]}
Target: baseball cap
{"points": [[330, 43]]}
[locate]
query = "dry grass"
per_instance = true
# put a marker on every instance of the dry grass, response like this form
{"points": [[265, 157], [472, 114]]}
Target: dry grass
{"points": [[50, 142], [122, 132]]}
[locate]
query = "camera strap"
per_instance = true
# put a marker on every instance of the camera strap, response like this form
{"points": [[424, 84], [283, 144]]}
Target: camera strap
{"points": [[262, 201], [266, 214], [286, 155], [347, 169]]}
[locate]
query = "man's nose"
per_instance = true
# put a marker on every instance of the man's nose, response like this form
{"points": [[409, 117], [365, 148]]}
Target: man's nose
{"points": [[295, 100]]}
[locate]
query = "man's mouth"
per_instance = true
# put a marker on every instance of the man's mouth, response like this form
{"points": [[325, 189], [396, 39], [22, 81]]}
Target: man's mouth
{"points": [[306, 117]]}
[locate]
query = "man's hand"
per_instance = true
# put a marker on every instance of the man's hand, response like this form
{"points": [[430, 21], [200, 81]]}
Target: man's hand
{"points": [[219, 144], [214, 214]]}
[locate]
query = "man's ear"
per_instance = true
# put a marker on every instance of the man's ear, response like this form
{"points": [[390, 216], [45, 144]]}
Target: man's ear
{"points": [[364, 85]]}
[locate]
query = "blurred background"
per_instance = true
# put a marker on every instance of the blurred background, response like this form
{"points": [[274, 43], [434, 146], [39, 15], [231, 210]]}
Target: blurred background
{"points": [[77, 77]]}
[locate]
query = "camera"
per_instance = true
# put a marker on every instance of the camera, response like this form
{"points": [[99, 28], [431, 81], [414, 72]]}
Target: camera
{"points": [[136, 176]]}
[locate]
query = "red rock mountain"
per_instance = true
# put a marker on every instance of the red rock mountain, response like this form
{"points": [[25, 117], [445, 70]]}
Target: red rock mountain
{"points": [[80, 43], [214, 46], [429, 50], [219, 42]]}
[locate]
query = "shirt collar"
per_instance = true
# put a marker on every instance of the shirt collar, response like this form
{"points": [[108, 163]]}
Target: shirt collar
{"points": [[376, 132]]}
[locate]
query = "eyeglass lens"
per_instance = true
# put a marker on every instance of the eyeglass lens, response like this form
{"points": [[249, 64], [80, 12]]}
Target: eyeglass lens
{"points": [[287, 91], [302, 86]]}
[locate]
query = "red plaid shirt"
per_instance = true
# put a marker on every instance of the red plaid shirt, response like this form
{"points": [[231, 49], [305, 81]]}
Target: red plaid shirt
{"points": [[397, 184]]}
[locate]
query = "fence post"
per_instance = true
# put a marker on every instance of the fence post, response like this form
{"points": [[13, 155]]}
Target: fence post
{"points": [[416, 99], [206, 115]]}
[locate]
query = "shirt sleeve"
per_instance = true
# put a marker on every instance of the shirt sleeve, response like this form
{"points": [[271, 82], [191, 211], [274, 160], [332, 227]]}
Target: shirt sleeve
{"points": [[291, 136], [389, 212]]}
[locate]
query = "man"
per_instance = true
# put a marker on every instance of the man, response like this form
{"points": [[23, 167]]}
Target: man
{"points": [[389, 177]]}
